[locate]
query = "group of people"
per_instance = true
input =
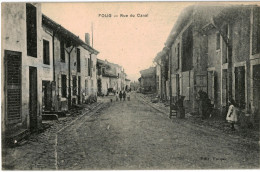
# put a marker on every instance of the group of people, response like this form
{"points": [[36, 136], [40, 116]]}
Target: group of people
{"points": [[121, 95]]}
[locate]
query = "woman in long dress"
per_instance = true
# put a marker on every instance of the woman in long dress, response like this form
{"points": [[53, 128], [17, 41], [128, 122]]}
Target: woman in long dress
{"points": [[232, 114]]}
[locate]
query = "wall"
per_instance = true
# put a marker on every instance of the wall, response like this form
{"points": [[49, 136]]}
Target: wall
{"points": [[14, 39]]}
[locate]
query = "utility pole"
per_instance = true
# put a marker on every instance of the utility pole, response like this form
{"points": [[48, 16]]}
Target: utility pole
{"points": [[92, 33]]}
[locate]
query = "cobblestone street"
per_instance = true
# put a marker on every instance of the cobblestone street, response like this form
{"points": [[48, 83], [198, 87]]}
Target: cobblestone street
{"points": [[132, 135]]}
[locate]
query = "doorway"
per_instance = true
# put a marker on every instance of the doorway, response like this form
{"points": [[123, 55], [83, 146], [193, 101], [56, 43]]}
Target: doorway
{"points": [[46, 96], [79, 90], [33, 97]]}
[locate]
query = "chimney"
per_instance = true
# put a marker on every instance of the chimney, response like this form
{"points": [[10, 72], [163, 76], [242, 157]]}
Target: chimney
{"points": [[87, 38]]}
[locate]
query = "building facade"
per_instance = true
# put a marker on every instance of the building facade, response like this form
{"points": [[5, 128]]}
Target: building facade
{"points": [[23, 67], [45, 68], [148, 80]]}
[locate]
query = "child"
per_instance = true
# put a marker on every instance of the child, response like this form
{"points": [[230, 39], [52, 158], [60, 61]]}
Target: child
{"points": [[232, 114]]}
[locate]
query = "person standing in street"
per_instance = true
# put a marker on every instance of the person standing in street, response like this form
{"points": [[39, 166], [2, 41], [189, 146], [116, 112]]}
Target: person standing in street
{"points": [[124, 95], [120, 95], [232, 114], [117, 96]]}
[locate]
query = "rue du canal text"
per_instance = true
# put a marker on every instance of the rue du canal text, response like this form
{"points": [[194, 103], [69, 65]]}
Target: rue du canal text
{"points": [[123, 15]]}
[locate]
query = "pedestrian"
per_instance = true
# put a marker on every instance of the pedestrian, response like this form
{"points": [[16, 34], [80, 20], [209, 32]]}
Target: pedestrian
{"points": [[124, 95], [128, 97], [120, 95], [117, 96], [232, 114]]}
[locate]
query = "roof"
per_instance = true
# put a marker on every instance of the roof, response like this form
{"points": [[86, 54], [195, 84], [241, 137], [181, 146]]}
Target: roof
{"points": [[229, 14], [149, 71], [66, 34], [198, 16], [107, 74]]}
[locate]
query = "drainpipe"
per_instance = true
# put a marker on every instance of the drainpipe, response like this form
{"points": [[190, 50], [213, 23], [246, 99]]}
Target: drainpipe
{"points": [[69, 97]]}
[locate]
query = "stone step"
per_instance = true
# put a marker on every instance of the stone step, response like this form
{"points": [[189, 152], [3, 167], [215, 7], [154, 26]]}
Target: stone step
{"points": [[50, 117]]}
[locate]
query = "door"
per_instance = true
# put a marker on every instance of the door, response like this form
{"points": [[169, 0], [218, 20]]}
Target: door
{"points": [[177, 85], [13, 91], [240, 86], [46, 96], [33, 97], [256, 89], [79, 90]]}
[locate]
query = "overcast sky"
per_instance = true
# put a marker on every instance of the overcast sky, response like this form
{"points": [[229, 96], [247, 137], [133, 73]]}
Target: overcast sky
{"points": [[131, 42]]}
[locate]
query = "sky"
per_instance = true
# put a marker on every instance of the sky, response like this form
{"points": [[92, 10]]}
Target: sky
{"points": [[132, 42]]}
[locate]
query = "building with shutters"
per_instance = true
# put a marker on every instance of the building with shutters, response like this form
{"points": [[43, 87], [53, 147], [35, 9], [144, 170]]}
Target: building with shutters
{"points": [[45, 68], [74, 74], [233, 58], [215, 49], [24, 67], [110, 76], [162, 71]]}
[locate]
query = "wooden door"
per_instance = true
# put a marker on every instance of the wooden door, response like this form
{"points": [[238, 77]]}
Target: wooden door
{"points": [[13, 91], [33, 97]]}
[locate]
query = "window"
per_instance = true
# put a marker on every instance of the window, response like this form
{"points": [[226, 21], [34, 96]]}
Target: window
{"points": [[13, 61], [31, 30], [46, 52], [78, 60], [62, 52], [240, 96], [217, 41], [63, 86], [74, 85], [187, 49], [90, 66]]}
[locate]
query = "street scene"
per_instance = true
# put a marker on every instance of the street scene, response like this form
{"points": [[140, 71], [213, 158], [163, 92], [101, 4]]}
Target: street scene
{"points": [[102, 88]]}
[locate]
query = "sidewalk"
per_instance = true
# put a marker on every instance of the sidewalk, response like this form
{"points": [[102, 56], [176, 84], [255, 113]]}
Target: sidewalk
{"points": [[37, 152], [214, 123]]}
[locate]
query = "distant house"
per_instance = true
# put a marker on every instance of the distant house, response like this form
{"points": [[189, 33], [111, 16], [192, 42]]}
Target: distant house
{"points": [[110, 76], [148, 80], [127, 84]]}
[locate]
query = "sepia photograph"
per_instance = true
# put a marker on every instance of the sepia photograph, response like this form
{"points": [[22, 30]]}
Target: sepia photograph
{"points": [[130, 85]]}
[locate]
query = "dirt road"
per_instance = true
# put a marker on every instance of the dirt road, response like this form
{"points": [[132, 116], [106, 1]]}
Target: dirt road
{"points": [[133, 135]]}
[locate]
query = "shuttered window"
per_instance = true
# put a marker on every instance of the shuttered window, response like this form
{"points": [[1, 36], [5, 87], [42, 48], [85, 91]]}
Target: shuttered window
{"points": [[74, 85], [78, 60], [13, 84], [46, 52], [62, 52], [31, 29], [63, 86]]}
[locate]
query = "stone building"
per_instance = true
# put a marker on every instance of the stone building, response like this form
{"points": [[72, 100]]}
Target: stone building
{"points": [[148, 80], [215, 49], [110, 76], [23, 68], [233, 57], [74, 66], [162, 72], [45, 68]]}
